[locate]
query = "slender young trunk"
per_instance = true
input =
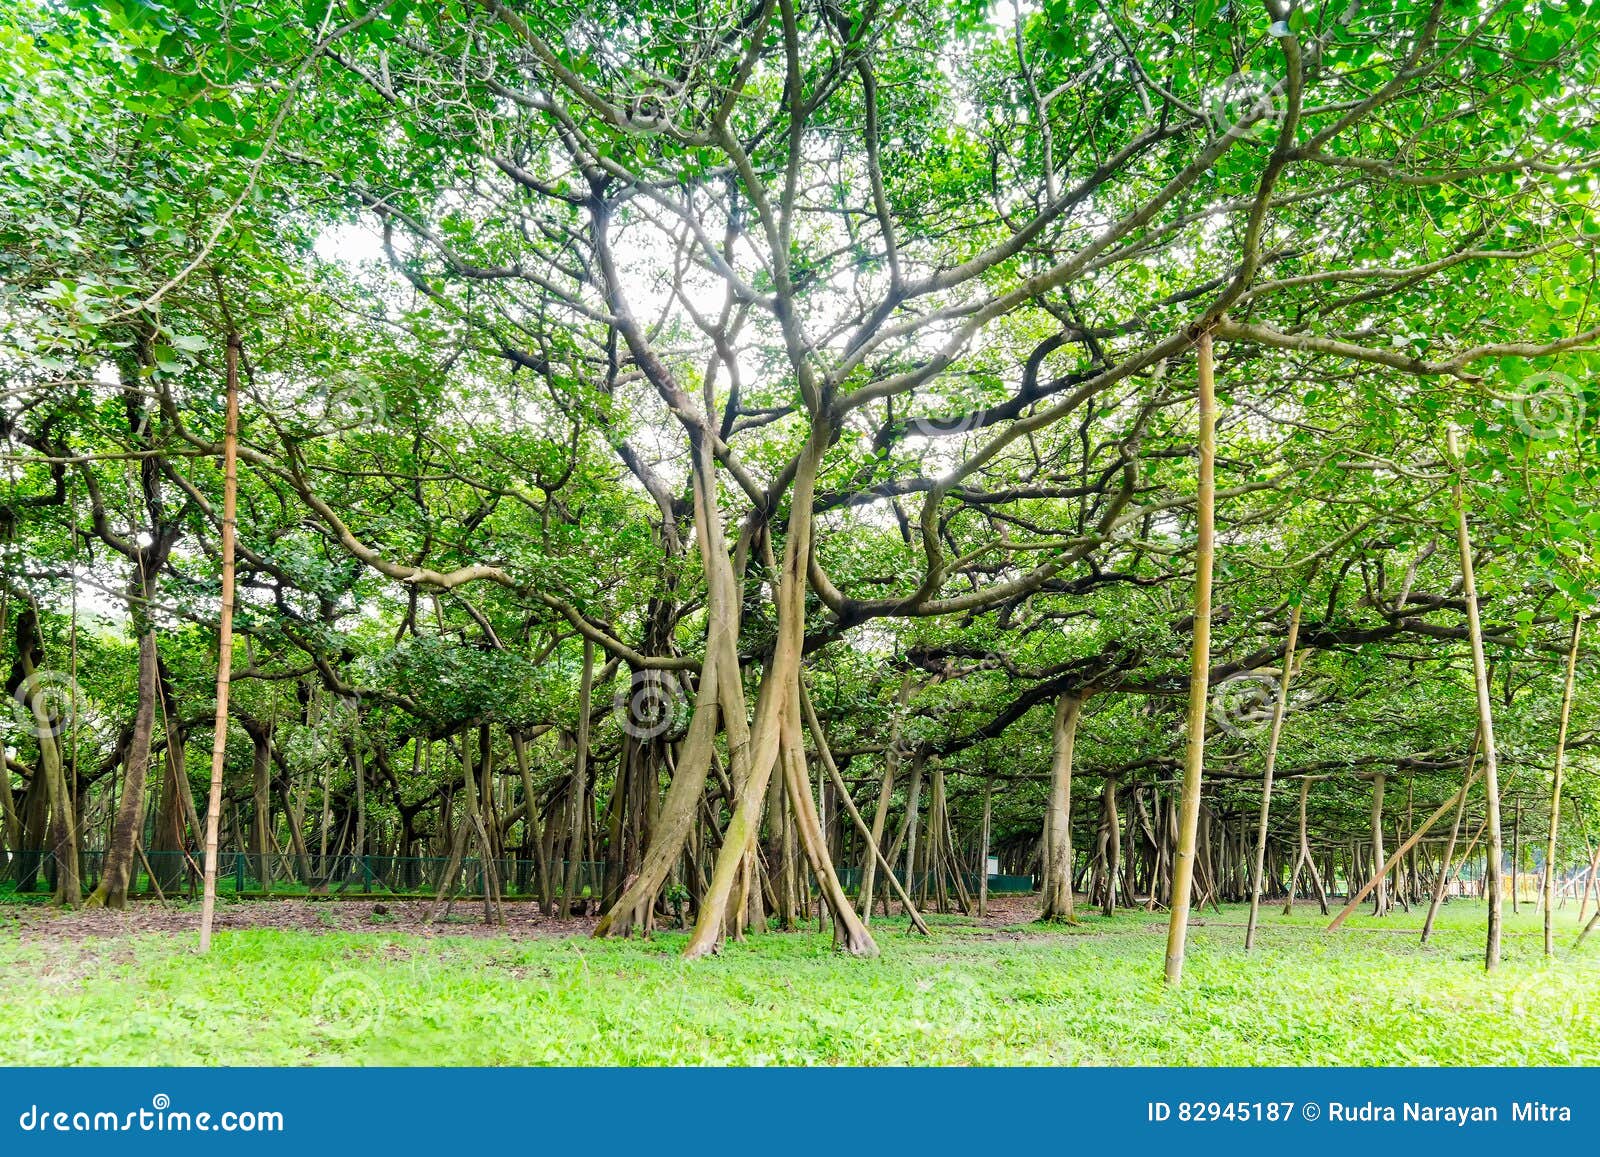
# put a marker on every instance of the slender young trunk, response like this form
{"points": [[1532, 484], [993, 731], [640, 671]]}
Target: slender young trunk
{"points": [[1516, 854], [456, 850], [1302, 845], [891, 764], [578, 791], [173, 813], [219, 742], [1590, 884], [1480, 679], [1386, 866], [1380, 900], [849, 932], [912, 823], [493, 913], [1279, 707], [530, 818], [1555, 785], [1199, 669], [825, 753], [1443, 877], [261, 803], [358, 767], [869, 870], [983, 850], [1056, 891], [1113, 844]]}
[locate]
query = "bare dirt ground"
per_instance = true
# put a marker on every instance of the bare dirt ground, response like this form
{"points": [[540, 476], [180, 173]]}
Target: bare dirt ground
{"points": [[465, 918]]}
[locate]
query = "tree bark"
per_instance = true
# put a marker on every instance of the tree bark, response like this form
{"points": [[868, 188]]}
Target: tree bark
{"points": [[62, 814], [1380, 901], [530, 818], [1279, 707], [117, 869], [1199, 668], [578, 814], [1556, 784], [869, 835], [783, 671], [849, 933], [1443, 878], [1056, 891], [891, 764], [1480, 680], [634, 908], [1399, 854], [219, 742], [1113, 857], [983, 850]]}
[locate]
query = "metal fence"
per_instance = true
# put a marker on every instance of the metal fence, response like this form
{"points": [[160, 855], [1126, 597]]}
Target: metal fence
{"points": [[998, 885], [239, 873], [242, 874]]}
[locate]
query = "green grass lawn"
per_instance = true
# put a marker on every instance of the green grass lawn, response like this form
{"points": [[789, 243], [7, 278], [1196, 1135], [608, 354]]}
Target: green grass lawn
{"points": [[1019, 995]]}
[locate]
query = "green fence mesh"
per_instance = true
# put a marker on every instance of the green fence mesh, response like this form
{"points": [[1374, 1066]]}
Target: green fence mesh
{"points": [[238, 873]]}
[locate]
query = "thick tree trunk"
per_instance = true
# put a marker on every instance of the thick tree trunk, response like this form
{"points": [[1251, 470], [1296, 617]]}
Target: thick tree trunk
{"points": [[117, 871], [261, 802], [634, 908], [1056, 887], [782, 677], [358, 769], [62, 813]]}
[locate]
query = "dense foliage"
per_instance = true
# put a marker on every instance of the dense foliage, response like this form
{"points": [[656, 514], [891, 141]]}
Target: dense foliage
{"points": [[622, 381]]}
